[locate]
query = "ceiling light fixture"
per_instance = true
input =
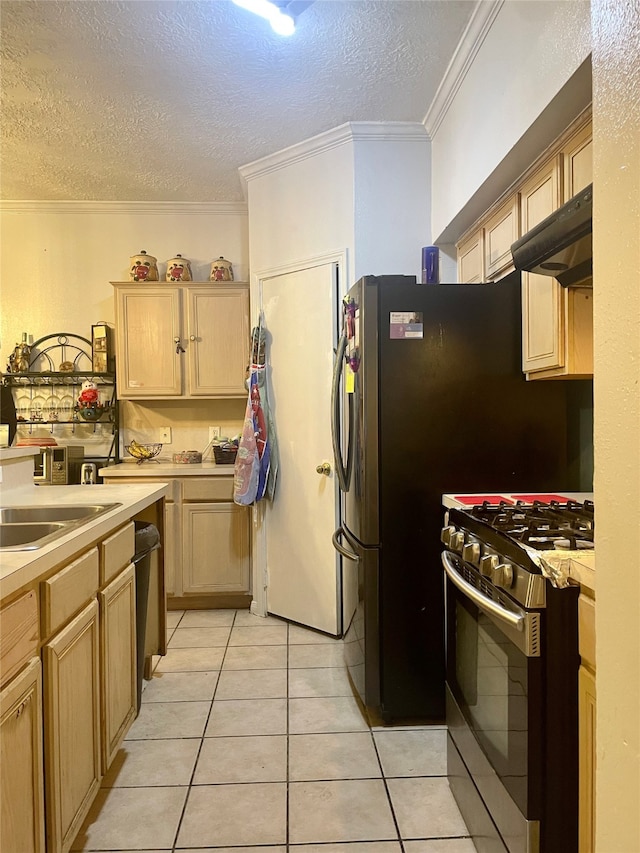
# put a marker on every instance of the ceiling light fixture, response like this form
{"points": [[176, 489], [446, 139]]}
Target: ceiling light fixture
{"points": [[281, 22]]}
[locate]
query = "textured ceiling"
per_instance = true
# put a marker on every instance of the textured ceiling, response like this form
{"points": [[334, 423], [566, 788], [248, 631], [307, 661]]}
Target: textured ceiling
{"points": [[158, 100]]}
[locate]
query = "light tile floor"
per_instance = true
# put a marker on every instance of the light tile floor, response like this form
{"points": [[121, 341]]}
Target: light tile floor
{"points": [[249, 739]]}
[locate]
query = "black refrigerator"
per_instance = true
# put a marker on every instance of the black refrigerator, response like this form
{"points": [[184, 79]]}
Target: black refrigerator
{"points": [[428, 398]]}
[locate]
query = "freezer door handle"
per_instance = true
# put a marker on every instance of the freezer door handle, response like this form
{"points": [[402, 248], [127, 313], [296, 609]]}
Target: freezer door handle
{"points": [[337, 544], [342, 472]]}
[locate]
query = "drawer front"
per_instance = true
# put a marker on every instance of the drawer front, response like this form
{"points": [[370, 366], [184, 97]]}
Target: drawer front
{"points": [[587, 630], [207, 489], [116, 552], [19, 634], [68, 591]]}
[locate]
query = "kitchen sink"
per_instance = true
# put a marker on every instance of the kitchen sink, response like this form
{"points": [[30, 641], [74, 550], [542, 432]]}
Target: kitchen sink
{"points": [[30, 514], [26, 536], [24, 528]]}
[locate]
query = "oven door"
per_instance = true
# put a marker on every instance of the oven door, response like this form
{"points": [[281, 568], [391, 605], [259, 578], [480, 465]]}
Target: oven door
{"points": [[495, 674]]}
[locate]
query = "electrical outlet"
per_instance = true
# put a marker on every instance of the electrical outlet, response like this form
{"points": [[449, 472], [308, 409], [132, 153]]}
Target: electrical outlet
{"points": [[165, 434], [214, 432]]}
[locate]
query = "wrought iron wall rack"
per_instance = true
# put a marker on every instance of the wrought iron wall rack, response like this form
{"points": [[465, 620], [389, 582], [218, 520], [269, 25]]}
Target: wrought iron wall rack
{"points": [[46, 396]]}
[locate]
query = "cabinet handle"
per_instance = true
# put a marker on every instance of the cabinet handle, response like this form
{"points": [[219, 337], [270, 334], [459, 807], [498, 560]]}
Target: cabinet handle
{"points": [[22, 706], [192, 338], [179, 347]]}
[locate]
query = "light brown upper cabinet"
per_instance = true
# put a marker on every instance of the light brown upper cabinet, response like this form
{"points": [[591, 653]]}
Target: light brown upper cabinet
{"points": [[557, 322], [542, 316], [181, 340], [501, 230], [471, 258], [578, 168]]}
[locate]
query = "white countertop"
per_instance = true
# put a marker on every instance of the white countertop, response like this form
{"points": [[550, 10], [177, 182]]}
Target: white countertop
{"points": [[8, 453], [166, 468], [18, 568]]}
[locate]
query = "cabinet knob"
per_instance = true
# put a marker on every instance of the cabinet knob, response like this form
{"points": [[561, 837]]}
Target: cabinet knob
{"points": [[192, 338], [324, 468], [179, 347]]}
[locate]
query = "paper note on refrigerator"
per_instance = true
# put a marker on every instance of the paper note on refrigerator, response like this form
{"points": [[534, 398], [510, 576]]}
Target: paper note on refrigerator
{"points": [[405, 325]]}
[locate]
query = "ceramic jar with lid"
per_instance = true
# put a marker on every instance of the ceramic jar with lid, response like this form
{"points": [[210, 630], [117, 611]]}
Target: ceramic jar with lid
{"points": [[143, 267], [178, 269], [221, 270]]}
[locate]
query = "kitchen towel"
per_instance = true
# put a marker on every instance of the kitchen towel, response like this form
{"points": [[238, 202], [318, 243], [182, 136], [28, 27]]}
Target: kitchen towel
{"points": [[256, 460]]}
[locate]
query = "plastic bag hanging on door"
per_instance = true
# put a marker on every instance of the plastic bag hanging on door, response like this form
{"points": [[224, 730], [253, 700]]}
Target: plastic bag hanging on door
{"points": [[254, 476]]}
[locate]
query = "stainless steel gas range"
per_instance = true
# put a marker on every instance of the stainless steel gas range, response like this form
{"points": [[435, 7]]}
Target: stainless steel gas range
{"points": [[512, 670]]}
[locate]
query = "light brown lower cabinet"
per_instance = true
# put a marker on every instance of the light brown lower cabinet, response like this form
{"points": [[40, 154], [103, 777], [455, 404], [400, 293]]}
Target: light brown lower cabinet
{"points": [[587, 723], [587, 759], [207, 544], [118, 695], [73, 768], [21, 754], [215, 540]]}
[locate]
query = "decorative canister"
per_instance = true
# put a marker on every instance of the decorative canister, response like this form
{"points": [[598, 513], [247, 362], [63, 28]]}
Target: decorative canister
{"points": [[221, 270], [178, 269], [143, 267]]}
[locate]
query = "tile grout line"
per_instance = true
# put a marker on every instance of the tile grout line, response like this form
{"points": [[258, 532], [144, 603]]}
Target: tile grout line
{"points": [[386, 788], [202, 739]]}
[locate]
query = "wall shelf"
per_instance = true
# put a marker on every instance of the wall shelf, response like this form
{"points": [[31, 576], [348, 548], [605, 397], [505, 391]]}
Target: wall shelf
{"points": [[46, 397]]}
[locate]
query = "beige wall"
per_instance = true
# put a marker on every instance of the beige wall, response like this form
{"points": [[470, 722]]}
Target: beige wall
{"points": [[507, 108], [57, 262], [616, 253]]}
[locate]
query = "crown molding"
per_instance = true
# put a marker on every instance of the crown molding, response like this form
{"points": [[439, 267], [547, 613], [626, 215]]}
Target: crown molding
{"points": [[147, 208], [481, 21], [353, 131]]}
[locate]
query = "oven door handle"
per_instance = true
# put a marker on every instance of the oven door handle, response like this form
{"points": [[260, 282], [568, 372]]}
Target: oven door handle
{"points": [[516, 620]]}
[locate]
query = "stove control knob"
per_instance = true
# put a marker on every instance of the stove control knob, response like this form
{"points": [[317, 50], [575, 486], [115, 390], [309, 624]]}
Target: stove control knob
{"points": [[445, 535], [456, 541], [471, 553], [502, 575], [488, 563]]}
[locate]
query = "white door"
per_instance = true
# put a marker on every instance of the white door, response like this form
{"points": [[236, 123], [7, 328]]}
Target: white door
{"points": [[303, 569]]}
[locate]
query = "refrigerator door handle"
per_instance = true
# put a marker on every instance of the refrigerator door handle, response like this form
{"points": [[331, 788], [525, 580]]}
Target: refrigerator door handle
{"points": [[340, 547], [343, 472]]}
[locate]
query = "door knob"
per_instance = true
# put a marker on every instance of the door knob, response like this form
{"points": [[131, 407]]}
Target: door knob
{"points": [[324, 468]]}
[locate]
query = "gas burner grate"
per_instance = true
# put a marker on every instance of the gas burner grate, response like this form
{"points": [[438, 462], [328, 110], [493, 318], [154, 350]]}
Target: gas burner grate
{"points": [[542, 526]]}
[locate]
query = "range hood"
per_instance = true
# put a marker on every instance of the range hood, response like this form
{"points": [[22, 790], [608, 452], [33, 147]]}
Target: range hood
{"points": [[560, 245]]}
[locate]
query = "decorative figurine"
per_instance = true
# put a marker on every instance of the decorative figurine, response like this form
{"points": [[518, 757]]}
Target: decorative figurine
{"points": [[221, 270], [89, 396], [178, 269], [143, 267], [19, 358]]}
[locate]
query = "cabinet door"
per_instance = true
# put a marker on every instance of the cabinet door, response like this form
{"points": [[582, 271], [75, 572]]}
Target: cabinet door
{"points": [[542, 314], [578, 170], [72, 727], [172, 550], [501, 230], [587, 760], [216, 555], [218, 340], [21, 782], [471, 259], [148, 321], [119, 698]]}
